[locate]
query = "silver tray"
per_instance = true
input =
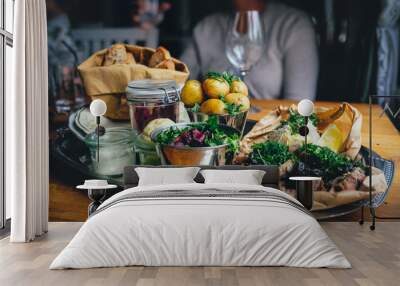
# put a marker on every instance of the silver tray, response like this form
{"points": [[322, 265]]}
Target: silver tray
{"points": [[69, 150]]}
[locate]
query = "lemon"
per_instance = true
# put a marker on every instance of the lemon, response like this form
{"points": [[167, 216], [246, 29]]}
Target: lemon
{"points": [[213, 106], [192, 93], [238, 99], [154, 124], [332, 138], [238, 86]]}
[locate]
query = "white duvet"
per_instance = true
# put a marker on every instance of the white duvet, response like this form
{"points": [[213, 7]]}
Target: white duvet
{"points": [[202, 231]]}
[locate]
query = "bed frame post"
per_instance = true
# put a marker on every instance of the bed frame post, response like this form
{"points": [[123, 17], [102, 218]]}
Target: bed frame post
{"points": [[372, 211], [374, 203], [370, 206]]}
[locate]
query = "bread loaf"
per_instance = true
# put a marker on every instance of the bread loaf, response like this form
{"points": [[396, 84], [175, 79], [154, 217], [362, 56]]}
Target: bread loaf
{"points": [[161, 54], [106, 78], [117, 55], [167, 65]]}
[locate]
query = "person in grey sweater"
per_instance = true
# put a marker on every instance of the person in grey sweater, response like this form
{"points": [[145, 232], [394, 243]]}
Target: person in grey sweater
{"points": [[288, 67]]}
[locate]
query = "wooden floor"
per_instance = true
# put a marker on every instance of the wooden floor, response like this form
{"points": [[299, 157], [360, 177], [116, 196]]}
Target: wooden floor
{"points": [[375, 257]]}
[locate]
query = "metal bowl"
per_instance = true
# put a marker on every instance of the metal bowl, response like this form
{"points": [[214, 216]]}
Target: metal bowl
{"points": [[191, 156], [237, 121]]}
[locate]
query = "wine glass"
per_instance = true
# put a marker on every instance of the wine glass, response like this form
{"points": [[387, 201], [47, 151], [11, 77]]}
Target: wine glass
{"points": [[245, 41]]}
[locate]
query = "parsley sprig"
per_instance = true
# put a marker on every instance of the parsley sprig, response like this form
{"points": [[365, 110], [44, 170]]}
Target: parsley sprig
{"points": [[314, 161], [231, 109], [228, 77], [323, 162], [296, 121], [270, 153]]}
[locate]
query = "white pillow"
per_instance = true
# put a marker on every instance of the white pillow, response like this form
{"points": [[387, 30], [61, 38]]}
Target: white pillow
{"points": [[166, 176], [247, 177]]}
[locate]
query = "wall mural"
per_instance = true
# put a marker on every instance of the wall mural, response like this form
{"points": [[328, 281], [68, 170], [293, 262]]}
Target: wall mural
{"points": [[118, 100]]}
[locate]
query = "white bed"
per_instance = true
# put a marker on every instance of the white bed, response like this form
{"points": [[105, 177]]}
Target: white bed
{"points": [[201, 225]]}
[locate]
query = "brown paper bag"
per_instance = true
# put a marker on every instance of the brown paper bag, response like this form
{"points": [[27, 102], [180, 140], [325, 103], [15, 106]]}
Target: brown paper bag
{"points": [[109, 82], [347, 117]]}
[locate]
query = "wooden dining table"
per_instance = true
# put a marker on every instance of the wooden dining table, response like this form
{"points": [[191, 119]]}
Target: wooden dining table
{"points": [[68, 204]]}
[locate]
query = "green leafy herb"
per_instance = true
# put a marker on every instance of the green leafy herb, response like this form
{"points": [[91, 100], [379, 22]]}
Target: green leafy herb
{"points": [[222, 137], [196, 108], [169, 135], [216, 76], [270, 153], [228, 77], [231, 108], [212, 122], [233, 142], [323, 162], [295, 121], [313, 161]]}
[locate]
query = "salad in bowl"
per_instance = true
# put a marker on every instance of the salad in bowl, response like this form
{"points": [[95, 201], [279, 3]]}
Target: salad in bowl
{"points": [[205, 143]]}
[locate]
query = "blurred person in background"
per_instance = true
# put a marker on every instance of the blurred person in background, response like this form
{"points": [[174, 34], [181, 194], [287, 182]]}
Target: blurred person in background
{"points": [[288, 67], [149, 13], [62, 48], [64, 83]]}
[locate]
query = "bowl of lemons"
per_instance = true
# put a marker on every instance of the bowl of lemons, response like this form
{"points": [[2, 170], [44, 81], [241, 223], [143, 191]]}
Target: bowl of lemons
{"points": [[220, 94]]}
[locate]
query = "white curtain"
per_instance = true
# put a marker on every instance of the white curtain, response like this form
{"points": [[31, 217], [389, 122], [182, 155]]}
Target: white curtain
{"points": [[27, 124]]}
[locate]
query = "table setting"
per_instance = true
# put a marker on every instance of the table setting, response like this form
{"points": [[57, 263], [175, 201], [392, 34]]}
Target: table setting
{"points": [[154, 115]]}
